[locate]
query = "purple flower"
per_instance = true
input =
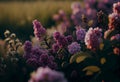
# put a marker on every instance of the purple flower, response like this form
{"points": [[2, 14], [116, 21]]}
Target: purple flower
{"points": [[43, 59], [32, 62], [116, 7], [47, 75], [37, 56], [74, 48], [116, 37], [56, 35], [36, 51], [69, 38], [114, 21], [27, 46], [62, 41], [53, 65], [76, 7], [98, 32], [55, 47], [39, 31], [92, 38], [76, 13], [52, 58], [80, 33], [46, 60], [76, 18]]}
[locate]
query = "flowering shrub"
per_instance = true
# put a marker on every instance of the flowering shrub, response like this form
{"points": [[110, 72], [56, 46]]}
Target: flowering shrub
{"points": [[39, 31], [36, 56], [81, 52]]}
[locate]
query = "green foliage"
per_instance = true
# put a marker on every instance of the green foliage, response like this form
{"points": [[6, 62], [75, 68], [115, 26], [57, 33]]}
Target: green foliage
{"points": [[98, 65], [91, 69], [79, 57]]}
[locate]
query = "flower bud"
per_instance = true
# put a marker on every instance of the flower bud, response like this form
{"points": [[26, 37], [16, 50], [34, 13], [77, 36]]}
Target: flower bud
{"points": [[7, 33], [13, 35]]}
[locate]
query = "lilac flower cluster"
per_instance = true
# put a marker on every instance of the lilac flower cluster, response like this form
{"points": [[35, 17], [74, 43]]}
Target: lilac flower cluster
{"points": [[114, 21], [39, 31], [60, 39], [90, 13], [104, 5], [92, 38], [36, 56], [74, 47], [114, 18], [47, 75], [116, 37], [55, 47], [92, 6], [98, 32], [62, 21], [80, 33], [69, 38], [28, 46], [116, 7], [76, 7], [78, 12], [56, 35]]}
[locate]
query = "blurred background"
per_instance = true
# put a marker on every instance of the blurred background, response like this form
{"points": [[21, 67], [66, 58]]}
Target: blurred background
{"points": [[17, 15]]}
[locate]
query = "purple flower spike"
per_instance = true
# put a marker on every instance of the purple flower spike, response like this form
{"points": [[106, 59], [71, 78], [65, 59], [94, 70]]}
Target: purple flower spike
{"points": [[62, 41], [39, 31], [27, 46], [69, 38], [56, 35], [74, 48], [92, 38], [55, 47], [80, 33]]}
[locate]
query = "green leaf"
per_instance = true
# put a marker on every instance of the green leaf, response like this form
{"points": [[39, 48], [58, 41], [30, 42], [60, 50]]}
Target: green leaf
{"points": [[89, 73], [80, 59], [91, 68], [76, 57], [102, 60]]}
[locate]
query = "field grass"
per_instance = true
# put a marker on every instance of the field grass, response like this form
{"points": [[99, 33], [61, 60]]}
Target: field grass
{"points": [[18, 16], [27, 11]]}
